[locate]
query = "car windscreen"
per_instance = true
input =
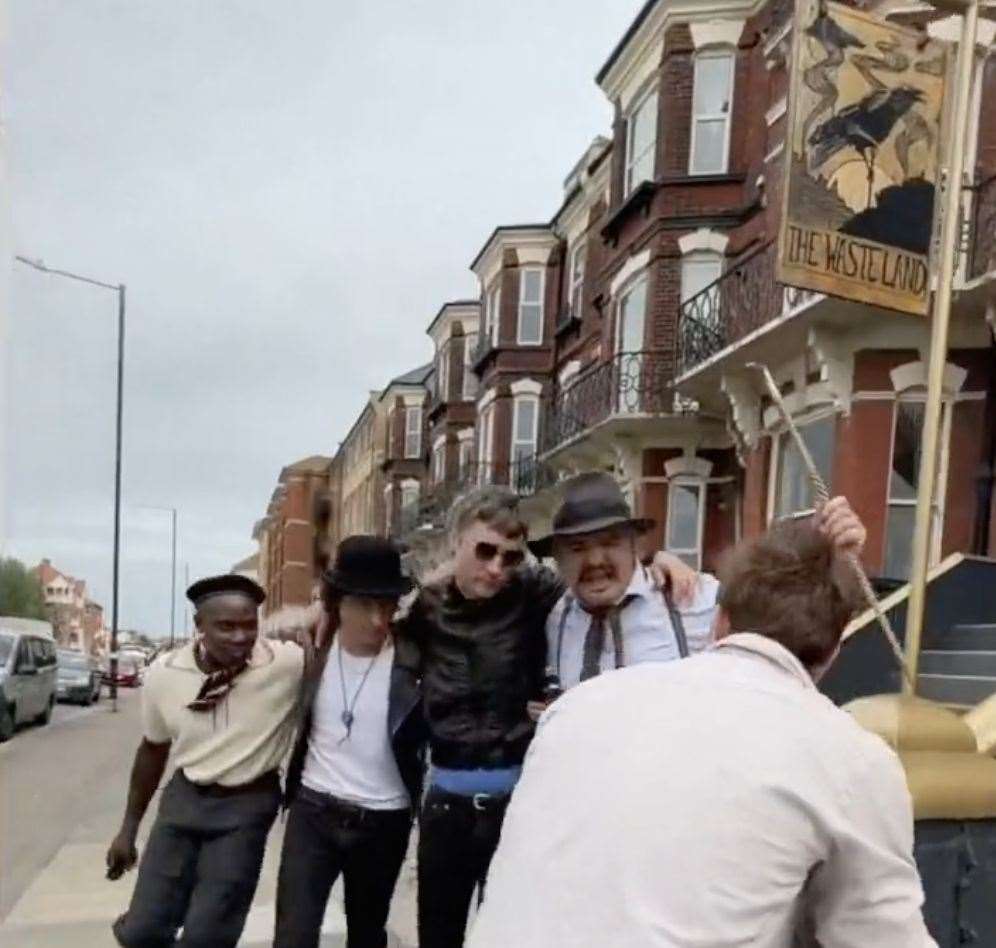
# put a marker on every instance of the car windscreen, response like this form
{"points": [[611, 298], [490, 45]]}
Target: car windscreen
{"points": [[6, 647], [73, 660]]}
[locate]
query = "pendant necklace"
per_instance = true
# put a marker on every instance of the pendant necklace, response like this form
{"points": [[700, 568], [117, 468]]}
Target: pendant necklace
{"points": [[347, 706]]}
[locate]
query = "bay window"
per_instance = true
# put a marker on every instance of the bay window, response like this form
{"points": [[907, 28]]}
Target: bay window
{"points": [[530, 330], [641, 142], [576, 277], [685, 517], [413, 431], [711, 107], [793, 495], [469, 379], [525, 425]]}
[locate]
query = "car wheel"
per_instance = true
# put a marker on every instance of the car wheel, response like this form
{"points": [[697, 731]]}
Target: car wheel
{"points": [[7, 718], [96, 693], [46, 715]]}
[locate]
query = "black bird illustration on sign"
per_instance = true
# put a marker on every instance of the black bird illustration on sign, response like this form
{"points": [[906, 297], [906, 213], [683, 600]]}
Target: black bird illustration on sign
{"points": [[863, 126], [821, 76]]}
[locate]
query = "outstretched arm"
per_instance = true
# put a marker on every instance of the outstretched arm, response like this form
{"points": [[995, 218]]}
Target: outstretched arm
{"points": [[146, 772]]}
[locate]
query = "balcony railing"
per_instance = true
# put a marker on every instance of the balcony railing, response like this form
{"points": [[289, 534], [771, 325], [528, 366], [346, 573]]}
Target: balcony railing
{"points": [[743, 299], [525, 477], [632, 383], [982, 250]]}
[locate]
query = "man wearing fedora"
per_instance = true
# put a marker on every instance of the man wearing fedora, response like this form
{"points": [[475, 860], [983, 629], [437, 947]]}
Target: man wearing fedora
{"points": [[356, 771], [612, 615], [224, 707]]}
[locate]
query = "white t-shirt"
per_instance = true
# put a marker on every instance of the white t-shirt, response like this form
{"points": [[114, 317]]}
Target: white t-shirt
{"points": [[362, 768], [250, 730]]}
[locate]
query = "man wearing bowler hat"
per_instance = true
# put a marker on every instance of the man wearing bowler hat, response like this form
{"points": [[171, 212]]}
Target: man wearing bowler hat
{"points": [[356, 770], [224, 707], [612, 614]]}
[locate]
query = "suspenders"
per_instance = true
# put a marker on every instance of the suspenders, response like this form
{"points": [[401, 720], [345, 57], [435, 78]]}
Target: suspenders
{"points": [[676, 624]]}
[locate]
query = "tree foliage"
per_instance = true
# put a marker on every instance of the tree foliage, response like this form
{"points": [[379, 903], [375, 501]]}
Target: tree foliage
{"points": [[20, 591]]}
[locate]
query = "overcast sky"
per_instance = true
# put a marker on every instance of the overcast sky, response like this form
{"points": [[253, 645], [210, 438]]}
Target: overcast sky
{"points": [[289, 197]]}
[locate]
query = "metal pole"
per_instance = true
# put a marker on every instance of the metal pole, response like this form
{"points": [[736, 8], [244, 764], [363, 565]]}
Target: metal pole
{"points": [[186, 608], [117, 501], [941, 317], [172, 590]]}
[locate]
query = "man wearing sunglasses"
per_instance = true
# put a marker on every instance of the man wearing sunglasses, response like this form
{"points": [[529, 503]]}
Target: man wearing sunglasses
{"points": [[480, 632]]}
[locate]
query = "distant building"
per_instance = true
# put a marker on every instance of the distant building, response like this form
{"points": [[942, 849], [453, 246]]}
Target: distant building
{"points": [[249, 567], [77, 622], [291, 537]]}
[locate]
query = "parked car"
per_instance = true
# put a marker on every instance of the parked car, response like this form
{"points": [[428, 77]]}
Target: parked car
{"points": [[129, 672], [79, 678], [27, 673]]}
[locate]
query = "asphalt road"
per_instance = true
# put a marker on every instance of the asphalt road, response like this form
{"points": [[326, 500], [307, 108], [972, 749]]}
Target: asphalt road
{"points": [[62, 793]]}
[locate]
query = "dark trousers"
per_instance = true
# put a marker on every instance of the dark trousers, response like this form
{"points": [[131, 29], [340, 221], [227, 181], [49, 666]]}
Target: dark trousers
{"points": [[325, 837], [200, 868], [457, 838]]}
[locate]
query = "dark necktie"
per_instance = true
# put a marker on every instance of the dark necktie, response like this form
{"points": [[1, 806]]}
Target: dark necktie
{"points": [[594, 640]]}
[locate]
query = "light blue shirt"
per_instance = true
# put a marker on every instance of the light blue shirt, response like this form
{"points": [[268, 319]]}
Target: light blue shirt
{"points": [[646, 628]]}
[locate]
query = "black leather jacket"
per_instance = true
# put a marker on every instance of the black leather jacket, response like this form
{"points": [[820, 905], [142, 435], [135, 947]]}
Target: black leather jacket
{"points": [[404, 720], [481, 661]]}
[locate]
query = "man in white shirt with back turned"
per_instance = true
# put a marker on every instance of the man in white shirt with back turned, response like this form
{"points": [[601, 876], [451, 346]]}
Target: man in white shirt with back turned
{"points": [[721, 800]]}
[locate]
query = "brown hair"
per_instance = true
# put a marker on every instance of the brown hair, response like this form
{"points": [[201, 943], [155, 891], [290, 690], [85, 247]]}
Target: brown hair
{"points": [[498, 507], [791, 586]]}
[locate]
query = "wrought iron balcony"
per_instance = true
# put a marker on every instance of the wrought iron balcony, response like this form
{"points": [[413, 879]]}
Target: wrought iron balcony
{"points": [[744, 298], [982, 249], [525, 476], [632, 383]]}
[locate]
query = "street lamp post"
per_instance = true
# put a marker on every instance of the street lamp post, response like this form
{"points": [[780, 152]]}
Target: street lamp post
{"points": [[119, 415]]}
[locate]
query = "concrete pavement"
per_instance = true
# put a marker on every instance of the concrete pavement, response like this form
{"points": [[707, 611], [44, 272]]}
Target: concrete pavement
{"points": [[62, 792]]}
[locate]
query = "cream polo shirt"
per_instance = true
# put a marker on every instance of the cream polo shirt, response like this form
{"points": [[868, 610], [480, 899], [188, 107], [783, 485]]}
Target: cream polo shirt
{"points": [[250, 730]]}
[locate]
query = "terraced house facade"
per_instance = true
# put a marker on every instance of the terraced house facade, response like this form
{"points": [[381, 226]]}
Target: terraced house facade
{"points": [[618, 334]]}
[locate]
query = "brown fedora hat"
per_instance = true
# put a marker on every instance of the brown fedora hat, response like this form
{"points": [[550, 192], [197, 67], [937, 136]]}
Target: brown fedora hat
{"points": [[591, 502]]}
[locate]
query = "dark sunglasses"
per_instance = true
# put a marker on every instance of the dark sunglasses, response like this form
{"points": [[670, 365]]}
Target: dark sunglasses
{"points": [[486, 552]]}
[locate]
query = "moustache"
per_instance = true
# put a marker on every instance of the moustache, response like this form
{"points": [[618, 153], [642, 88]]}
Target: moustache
{"points": [[590, 575]]}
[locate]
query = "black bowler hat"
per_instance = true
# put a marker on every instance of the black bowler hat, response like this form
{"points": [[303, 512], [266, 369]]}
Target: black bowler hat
{"points": [[591, 502], [368, 566], [220, 585]]}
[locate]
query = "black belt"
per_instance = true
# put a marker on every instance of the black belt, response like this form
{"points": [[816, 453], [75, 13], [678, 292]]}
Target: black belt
{"points": [[350, 811], [481, 802], [268, 781]]}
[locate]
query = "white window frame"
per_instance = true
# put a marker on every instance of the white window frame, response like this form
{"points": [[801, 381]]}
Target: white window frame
{"points": [[698, 258], [485, 452], [469, 380], [538, 340], [578, 260], [439, 463], [465, 457], [726, 116], [410, 494], [388, 507], [443, 372], [624, 294], [693, 557], [516, 440], [413, 431], [631, 161], [774, 483], [492, 311], [937, 507]]}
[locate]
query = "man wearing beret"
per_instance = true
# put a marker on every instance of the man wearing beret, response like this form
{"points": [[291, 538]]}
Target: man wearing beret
{"points": [[224, 707]]}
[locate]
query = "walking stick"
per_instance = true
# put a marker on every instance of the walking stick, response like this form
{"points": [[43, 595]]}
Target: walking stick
{"points": [[822, 496]]}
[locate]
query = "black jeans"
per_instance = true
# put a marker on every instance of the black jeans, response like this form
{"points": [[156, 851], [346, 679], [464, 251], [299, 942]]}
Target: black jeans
{"points": [[201, 866], [457, 838], [323, 838]]}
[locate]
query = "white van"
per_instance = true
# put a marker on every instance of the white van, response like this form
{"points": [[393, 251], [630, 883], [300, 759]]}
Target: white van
{"points": [[28, 672]]}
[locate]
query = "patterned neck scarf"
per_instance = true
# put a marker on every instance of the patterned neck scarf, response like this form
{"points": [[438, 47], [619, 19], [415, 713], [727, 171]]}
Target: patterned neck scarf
{"points": [[216, 685]]}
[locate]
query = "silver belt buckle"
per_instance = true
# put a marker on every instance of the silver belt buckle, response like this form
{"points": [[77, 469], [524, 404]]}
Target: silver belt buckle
{"points": [[479, 801]]}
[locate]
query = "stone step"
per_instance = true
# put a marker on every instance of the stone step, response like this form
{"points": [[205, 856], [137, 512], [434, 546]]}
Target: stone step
{"points": [[972, 663], [955, 689]]}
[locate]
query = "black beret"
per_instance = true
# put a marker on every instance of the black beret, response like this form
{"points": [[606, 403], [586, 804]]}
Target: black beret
{"points": [[229, 583]]}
